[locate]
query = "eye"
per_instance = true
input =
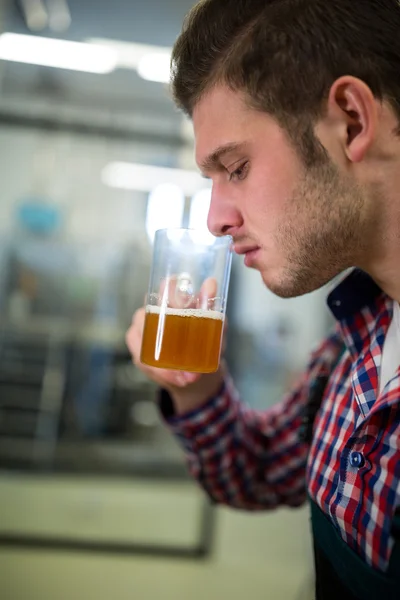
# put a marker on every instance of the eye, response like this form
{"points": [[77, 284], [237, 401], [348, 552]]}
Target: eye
{"points": [[240, 173]]}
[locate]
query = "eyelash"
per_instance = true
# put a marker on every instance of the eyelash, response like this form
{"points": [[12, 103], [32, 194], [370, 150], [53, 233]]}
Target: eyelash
{"points": [[240, 173]]}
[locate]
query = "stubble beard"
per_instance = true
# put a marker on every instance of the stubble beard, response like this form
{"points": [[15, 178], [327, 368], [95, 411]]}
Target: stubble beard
{"points": [[323, 233]]}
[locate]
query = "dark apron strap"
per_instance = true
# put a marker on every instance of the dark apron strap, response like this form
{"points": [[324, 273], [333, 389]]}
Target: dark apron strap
{"points": [[341, 574]]}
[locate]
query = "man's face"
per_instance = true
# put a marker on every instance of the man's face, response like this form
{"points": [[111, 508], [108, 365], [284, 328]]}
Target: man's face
{"points": [[298, 227]]}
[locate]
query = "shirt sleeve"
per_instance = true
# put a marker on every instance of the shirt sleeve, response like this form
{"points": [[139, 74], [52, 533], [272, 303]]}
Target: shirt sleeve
{"points": [[246, 458]]}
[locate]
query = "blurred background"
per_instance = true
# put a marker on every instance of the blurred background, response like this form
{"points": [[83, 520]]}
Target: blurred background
{"points": [[94, 494]]}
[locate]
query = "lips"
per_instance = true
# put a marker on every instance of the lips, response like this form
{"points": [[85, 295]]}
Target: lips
{"points": [[244, 249], [250, 254]]}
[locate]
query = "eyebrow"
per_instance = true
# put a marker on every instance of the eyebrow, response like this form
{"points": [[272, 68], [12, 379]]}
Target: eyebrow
{"points": [[213, 161]]}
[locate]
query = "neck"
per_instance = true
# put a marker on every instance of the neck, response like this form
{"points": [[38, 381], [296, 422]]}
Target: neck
{"points": [[384, 257]]}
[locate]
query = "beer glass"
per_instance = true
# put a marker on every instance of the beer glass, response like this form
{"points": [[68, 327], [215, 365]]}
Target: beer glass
{"points": [[186, 301]]}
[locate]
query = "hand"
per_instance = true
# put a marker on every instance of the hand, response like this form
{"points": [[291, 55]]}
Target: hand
{"points": [[188, 390]]}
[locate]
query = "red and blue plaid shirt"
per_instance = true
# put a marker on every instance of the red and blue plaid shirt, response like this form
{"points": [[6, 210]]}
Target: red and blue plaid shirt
{"points": [[256, 460]]}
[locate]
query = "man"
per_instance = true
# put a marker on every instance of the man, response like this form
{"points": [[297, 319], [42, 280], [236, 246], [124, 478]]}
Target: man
{"points": [[296, 113]]}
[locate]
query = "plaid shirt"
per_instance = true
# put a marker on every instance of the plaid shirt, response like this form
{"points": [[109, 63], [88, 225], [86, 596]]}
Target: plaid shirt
{"points": [[255, 460]]}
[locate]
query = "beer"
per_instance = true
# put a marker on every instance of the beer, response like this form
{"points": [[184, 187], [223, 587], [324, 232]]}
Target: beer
{"points": [[184, 339]]}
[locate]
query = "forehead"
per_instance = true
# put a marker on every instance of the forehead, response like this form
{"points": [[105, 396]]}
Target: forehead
{"points": [[220, 117]]}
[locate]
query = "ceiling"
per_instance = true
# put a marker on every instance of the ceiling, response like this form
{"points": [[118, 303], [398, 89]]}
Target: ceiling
{"points": [[155, 22], [120, 99]]}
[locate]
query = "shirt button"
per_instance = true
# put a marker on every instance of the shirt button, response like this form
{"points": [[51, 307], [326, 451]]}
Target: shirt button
{"points": [[357, 460]]}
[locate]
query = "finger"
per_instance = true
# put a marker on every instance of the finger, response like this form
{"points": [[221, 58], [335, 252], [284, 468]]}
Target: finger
{"points": [[162, 289], [179, 379], [133, 337], [176, 292], [209, 287], [169, 378], [182, 291], [167, 291], [137, 314], [190, 377], [207, 293], [138, 320], [160, 376], [133, 341]]}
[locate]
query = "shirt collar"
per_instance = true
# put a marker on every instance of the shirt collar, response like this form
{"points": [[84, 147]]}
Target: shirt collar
{"points": [[352, 294]]}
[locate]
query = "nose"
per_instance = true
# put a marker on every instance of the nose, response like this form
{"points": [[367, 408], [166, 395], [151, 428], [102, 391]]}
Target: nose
{"points": [[224, 218]]}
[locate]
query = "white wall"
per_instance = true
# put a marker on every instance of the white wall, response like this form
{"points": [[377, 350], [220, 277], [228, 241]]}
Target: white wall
{"points": [[67, 169], [255, 307]]}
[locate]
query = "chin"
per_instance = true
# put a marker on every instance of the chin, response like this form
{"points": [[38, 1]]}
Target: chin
{"points": [[289, 284]]}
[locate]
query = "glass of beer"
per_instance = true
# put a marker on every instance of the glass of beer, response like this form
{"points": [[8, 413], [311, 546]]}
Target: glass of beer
{"points": [[186, 301]]}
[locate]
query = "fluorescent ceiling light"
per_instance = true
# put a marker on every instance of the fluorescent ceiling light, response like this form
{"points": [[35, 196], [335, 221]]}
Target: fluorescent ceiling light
{"points": [[60, 54], [155, 67], [199, 208], [164, 209], [150, 62], [144, 178]]}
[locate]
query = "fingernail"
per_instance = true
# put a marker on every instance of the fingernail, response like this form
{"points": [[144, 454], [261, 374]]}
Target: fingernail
{"points": [[180, 379], [189, 377]]}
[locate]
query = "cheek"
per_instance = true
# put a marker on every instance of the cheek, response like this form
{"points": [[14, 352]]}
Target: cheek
{"points": [[272, 185], [265, 207]]}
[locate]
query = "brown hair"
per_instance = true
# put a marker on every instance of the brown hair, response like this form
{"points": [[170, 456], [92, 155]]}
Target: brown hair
{"points": [[286, 54]]}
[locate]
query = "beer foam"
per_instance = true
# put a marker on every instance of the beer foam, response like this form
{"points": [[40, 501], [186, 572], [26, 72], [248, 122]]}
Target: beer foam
{"points": [[186, 312]]}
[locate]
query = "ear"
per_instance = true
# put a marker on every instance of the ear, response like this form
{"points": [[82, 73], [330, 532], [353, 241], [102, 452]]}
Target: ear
{"points": [[353, 110]]}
